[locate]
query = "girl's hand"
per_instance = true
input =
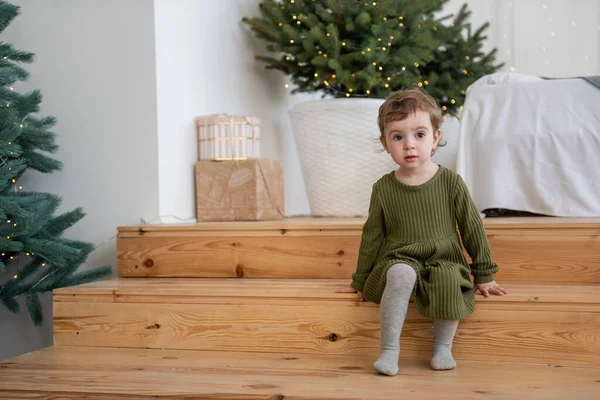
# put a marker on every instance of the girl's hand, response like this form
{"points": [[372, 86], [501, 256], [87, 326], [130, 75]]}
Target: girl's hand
{"points": [[489, 288], [349, 289]]}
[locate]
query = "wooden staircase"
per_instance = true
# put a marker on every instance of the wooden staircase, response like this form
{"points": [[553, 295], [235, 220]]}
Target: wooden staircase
{"points": [[249, 311]]}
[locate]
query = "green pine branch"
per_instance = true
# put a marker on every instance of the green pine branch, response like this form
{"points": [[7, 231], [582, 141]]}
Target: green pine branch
{"points": [[345, 48], [31, 242]]}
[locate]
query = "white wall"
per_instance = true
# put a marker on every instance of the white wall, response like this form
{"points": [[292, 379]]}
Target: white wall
{"points": [[549, 38], [95, 67], [205, 64]]}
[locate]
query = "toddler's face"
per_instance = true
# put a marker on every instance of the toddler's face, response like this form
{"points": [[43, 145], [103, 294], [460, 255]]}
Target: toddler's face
{"points": [[411, 140]]}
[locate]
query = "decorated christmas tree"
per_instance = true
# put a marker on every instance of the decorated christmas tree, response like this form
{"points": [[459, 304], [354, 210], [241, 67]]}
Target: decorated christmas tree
{"points": [[351, 48], [31, 242]]}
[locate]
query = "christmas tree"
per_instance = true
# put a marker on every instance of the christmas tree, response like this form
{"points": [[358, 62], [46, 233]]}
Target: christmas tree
{"points": [[351, 48], [30, 232]]}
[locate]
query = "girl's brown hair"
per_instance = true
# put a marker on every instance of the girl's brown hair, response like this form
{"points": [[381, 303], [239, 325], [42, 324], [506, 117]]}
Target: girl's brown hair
{"points": [[403, 103]]}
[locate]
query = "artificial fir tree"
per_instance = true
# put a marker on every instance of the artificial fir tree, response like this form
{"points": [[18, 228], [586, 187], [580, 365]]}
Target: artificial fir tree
{"points": [[351, 48], [30, 232]]}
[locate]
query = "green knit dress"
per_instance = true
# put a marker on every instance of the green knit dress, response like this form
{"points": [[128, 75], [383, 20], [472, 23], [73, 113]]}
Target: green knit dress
{"points": [[416, 225]]}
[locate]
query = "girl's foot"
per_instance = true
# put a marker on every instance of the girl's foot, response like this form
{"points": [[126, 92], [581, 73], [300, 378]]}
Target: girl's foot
{"points": [[442, 358], [387, 363]]}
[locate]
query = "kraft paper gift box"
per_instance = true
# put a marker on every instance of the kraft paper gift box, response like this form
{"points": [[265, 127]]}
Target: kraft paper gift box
{"points": [[239, 190]]}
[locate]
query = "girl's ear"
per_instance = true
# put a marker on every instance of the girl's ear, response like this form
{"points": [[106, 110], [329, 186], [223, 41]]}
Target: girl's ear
{"points": [[382, 140], [436, 137]]}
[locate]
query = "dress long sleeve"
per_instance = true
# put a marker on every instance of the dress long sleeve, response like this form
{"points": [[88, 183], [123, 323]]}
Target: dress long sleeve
{"points": [[473, 234], [373, 234]]}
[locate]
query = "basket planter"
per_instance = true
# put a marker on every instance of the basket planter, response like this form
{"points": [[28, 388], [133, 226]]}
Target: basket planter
{"points": [[337, 142]]}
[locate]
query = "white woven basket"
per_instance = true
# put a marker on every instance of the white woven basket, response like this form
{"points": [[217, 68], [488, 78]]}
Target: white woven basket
{"points": [[337, 146]]}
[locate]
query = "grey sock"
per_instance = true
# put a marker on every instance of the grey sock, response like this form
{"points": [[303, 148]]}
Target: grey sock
{"points": [[443, 331], [394, 303]]}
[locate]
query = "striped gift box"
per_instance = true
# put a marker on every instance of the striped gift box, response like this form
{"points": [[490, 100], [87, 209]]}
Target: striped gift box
{"points": [[228, 137]]}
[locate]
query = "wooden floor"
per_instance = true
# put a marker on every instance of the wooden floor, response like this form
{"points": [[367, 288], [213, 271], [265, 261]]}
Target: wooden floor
{"points": [[529, 249], [94, 373], [249, 311]]}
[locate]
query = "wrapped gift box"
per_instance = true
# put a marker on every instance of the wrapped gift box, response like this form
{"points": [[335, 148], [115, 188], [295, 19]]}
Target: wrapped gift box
{"points": [[239, 190], [228, 137]]}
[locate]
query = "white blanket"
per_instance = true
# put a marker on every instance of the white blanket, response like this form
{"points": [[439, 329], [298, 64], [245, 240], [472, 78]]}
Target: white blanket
{"points": [[533, 145]]}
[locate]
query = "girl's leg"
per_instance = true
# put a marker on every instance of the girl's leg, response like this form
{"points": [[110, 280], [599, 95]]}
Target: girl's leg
{"points": [[401, 279], [443, 331]]}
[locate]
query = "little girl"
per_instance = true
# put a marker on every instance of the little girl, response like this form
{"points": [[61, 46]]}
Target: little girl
{"points": [[410, 241]]}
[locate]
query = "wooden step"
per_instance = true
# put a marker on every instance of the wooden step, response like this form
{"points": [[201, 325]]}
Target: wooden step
{"points": [[536, 250], [70, 373], [535, 323]]}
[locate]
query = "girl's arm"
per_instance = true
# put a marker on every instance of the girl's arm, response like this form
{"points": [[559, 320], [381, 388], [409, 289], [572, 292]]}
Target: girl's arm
{"points": [[473, 234], [372, 237]]}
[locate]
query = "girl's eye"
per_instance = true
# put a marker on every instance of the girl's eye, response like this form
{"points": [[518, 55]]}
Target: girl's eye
{"points": [[397, 137], [420, 135]]}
